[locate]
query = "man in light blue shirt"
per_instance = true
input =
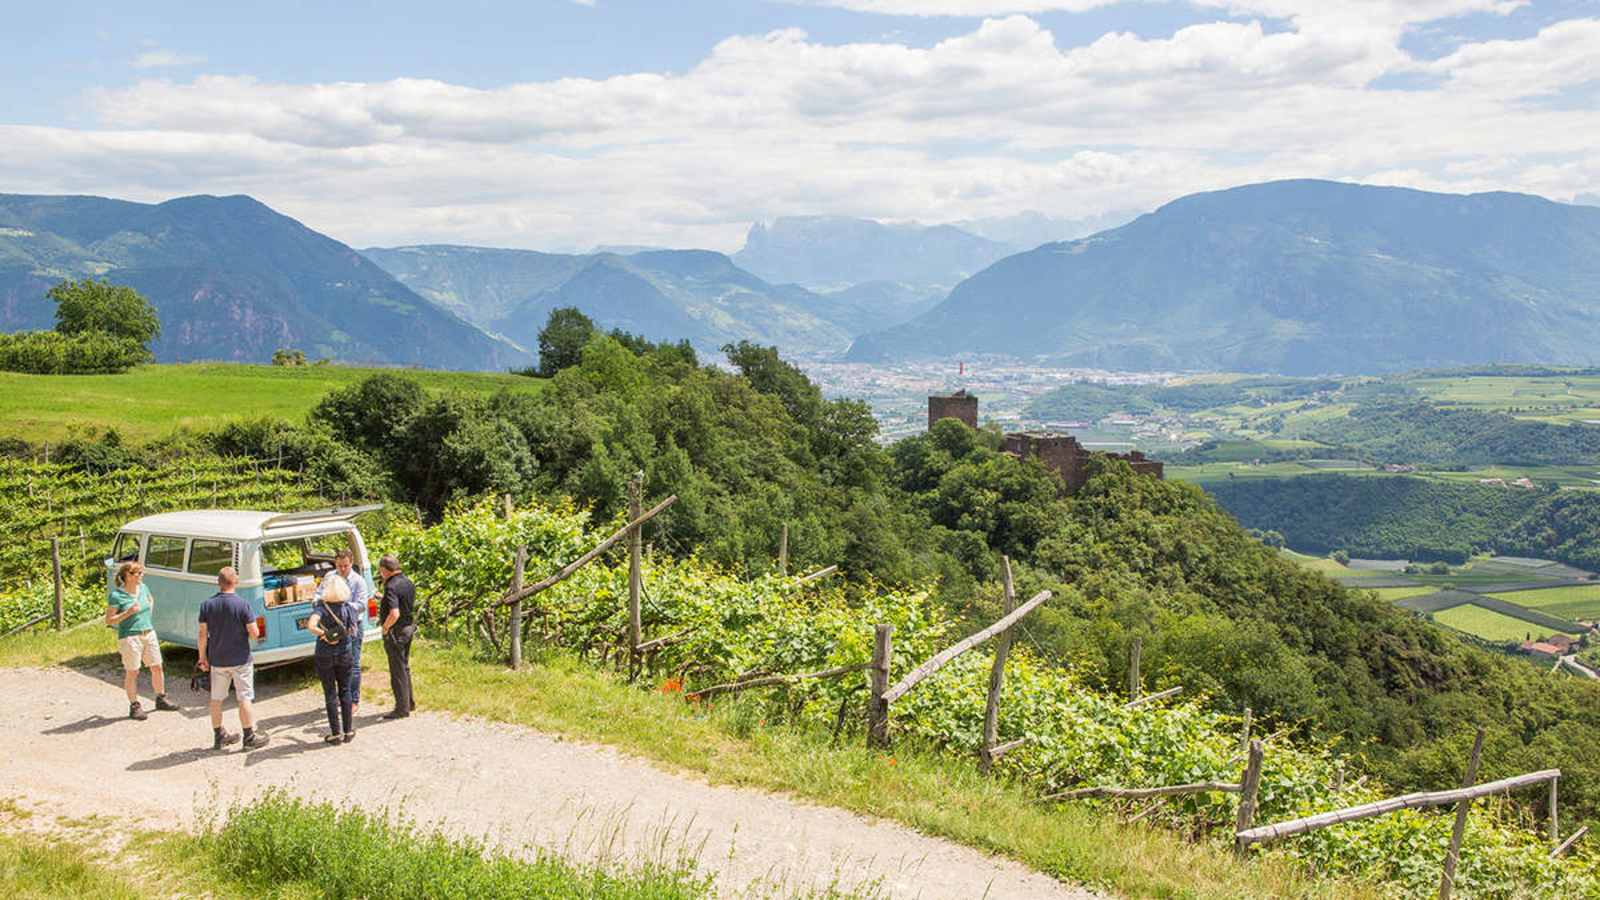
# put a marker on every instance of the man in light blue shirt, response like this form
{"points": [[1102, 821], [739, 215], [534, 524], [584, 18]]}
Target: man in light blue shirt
{"points": [[360, 592]]}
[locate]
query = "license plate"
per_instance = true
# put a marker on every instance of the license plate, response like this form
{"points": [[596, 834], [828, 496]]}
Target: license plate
{"points": [[300, 623]]}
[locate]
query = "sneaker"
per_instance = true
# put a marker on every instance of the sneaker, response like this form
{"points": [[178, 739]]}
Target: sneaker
{"points": [[333, 739], [397, 714], [223, 739], [136, 712], [255, 740], [162, 703], [349, 736]]}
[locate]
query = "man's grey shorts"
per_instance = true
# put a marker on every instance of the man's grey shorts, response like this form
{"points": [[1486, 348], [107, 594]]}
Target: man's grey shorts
{"points": [[243, 679]]}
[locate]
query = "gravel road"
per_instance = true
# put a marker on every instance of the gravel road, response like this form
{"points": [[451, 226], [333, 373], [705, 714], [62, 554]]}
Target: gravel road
{"points": [[67, 749]]}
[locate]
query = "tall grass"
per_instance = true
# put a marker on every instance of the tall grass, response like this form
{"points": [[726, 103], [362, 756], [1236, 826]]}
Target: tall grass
{"points": [[279, 840]]}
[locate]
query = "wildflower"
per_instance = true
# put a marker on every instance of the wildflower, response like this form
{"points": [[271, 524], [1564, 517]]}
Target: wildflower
{"points": [[672, 686]]}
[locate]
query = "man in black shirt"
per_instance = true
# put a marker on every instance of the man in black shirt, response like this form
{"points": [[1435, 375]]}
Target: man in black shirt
{"points": [[396, 614]]}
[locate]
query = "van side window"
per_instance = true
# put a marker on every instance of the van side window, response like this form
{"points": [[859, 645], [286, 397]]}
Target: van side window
{"points": [[163, 552], [208, 557], [126, 548]]}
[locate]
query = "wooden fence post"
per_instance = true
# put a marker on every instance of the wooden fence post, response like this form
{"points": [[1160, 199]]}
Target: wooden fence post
{"points": [[516, 608], [997, 675], [1244, 736], [635, 578], [783, 551], [1250, 789], [1134, 681], [506, 500], [1453, 853], [1555, 831], [877, 707], [55, 569]]}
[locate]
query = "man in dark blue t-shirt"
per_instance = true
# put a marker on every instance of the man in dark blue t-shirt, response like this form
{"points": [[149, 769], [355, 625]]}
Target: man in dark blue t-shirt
{"points": [[226, 629]]}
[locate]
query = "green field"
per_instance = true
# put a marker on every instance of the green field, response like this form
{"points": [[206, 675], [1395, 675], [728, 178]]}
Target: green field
{"points": [[1401, 593], [153, 400], [1550, 398], [1579, 602], [1488, 624]]}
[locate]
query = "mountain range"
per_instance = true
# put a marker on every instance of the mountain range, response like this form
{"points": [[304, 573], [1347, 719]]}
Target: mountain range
{"points": [[1295, 277], [699, 295], [231, 280]]}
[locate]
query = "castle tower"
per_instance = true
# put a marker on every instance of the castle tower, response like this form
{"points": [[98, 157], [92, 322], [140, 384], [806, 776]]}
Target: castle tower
{"points": [[959, 405]]}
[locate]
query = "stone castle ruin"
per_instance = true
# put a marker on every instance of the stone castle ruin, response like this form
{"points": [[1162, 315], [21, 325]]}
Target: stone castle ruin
{"points": [[1060, 452]]}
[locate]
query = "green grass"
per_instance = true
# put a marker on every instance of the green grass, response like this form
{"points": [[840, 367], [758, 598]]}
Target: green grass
{"points": [[277, 847], [1488, 624], [31, 867], [150, 401], [928, 791], [1401, 593], [1578, 602], [278, 843]]}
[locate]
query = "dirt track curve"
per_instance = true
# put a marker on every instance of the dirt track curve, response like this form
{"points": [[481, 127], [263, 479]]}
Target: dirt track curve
{"points": [[66, 748]]}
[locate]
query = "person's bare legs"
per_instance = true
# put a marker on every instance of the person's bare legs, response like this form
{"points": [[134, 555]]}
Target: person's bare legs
{"points": [[216, 714], [157, 681], [130, 684], [247, 714]]}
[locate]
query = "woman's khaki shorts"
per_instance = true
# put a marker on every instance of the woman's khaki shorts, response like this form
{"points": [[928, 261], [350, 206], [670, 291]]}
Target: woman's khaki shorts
{"points": [[142, 647]]}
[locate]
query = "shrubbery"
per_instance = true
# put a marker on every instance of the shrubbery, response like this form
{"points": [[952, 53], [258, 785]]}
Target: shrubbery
{"points": [[54, 353]]}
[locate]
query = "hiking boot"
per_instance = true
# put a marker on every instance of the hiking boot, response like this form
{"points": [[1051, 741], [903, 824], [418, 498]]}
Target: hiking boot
{"points": [[255, 740], [162, 703], [396, 714], [136, 712], [223, 739]]}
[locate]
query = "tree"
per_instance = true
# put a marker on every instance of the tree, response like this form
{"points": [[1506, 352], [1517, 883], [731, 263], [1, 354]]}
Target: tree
{"points": [[99, 306], [285, 357], [562, 339]]}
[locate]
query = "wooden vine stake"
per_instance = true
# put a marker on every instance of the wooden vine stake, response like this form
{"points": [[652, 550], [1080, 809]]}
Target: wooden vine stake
{"points": [[877, 706], [783, 550], [1249, 791], [55, 569], [635, 561], [997, 675], [1134, 681], [517, 572], [1453, 854]]}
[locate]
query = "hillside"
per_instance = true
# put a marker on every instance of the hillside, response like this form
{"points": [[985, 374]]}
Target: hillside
{"points": [[231, 280], [660, 294], [48, 408], [833, 252], [1293, 277]]}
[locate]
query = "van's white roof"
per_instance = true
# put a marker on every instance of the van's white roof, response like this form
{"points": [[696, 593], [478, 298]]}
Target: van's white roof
{"points": [[222, 524]]}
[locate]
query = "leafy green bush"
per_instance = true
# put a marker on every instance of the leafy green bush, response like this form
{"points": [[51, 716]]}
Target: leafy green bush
{"points": [[279, 841], [35, 599], [82, 353]]}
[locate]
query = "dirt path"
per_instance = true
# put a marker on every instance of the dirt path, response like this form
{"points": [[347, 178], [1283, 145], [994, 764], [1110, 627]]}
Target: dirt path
{"points": [[66, 749]]}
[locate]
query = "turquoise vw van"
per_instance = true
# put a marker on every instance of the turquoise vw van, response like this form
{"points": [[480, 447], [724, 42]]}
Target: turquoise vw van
{"points": [[280, 557]]}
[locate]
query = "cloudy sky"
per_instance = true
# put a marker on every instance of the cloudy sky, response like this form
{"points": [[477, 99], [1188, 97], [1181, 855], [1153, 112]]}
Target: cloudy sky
{"points": [[555, 124]]}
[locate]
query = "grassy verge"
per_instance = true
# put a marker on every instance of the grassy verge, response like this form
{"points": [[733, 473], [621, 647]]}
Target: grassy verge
{"points": [[283, 848], [928, 791]]}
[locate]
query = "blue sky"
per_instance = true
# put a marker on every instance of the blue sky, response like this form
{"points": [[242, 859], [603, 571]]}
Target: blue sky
{"points": [[558, 125]]}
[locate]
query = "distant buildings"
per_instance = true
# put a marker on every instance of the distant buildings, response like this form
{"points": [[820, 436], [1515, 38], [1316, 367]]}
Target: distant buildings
{"points": [[1060, 452]]}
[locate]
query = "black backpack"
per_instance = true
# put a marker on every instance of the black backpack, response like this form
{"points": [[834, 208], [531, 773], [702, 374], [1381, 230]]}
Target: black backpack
{"points": [[333, 627]]}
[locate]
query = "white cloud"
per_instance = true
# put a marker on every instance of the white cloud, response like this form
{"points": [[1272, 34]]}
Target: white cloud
{"points": [[158, 59], [996, 120]]}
